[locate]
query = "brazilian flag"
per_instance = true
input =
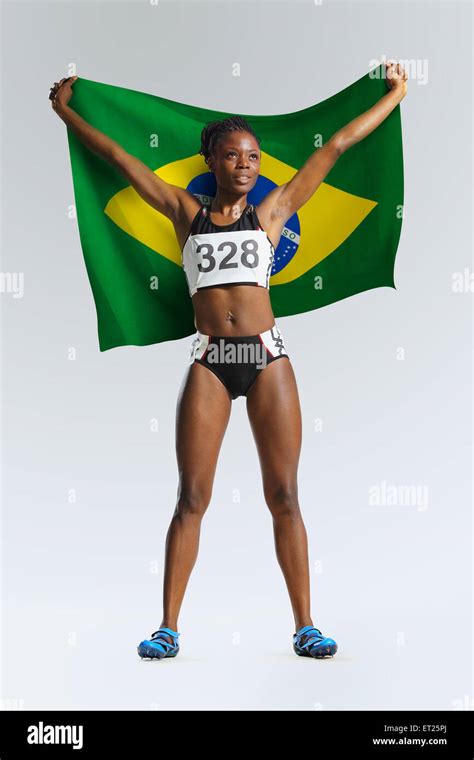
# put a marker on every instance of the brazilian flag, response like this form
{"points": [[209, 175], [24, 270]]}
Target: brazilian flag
{"points": [[341, 242]]}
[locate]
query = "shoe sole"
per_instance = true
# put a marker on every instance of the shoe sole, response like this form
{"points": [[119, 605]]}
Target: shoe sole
{"points": [[327, 651], [150, 653]]}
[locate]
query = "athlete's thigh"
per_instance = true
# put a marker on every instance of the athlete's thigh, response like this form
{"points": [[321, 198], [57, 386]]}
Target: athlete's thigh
{"points": [[274, 413], [202, 414]]}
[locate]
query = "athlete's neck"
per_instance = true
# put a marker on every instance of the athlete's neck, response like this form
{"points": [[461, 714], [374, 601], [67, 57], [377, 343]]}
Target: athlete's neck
{"points": [[228, 208]]}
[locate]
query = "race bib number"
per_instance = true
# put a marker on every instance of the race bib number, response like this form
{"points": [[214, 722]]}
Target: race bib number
{"points": [[228, 255]]}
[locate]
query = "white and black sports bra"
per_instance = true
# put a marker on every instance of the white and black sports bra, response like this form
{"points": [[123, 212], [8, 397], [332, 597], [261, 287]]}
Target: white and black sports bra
{"points": [[234, 254]]}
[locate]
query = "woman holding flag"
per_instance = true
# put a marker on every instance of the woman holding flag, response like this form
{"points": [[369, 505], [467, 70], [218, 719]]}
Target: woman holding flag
{"points": [[228, 248]]}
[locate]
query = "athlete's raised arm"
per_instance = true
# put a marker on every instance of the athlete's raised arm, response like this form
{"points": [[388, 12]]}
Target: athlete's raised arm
{"points": [[285, 200], [174, 202]]}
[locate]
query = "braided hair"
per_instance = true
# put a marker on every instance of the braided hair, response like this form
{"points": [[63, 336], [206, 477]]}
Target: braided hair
{"points": [[213, 132]]}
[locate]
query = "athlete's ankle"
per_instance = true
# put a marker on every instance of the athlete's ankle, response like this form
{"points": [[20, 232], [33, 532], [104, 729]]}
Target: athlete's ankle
{"points": [[301, 623], [173, 625]]}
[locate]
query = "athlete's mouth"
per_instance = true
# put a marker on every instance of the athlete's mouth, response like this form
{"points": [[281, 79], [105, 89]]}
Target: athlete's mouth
{"points": [[244, 177]]}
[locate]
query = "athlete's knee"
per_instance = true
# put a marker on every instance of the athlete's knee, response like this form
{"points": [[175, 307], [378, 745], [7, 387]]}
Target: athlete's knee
{"points": [[282, 499], [192, 501]]}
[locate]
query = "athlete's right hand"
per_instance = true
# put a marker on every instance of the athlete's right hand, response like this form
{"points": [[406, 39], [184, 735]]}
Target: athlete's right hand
{"points": [[60, 93]]}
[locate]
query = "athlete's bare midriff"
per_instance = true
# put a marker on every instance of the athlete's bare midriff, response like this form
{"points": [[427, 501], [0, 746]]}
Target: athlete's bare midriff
{"points": [[233, 310]]}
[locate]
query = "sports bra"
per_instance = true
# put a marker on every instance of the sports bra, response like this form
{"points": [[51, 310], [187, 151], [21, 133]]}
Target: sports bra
{"points": [[240, 253]]}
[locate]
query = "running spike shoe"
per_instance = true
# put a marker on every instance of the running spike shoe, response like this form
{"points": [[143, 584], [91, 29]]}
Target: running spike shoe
{"points": [[310, 642], [157, 647]]}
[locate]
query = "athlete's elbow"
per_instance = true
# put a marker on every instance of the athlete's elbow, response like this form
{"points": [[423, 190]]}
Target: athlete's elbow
{"points": [[335, 147]]}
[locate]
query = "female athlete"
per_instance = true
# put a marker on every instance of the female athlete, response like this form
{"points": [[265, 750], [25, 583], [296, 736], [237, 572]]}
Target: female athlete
{"points": [[228, 248]]}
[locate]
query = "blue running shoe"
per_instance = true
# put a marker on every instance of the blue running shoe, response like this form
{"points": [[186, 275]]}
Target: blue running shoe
{"points": [[158, 646], [310, 642]]}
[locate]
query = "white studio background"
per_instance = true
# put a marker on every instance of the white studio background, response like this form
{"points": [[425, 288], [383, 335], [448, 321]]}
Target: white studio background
{"points": [[89, 489]]}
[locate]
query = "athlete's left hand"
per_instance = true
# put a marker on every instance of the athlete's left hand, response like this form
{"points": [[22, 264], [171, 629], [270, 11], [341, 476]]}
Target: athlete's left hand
{"points": [[396, 77]]}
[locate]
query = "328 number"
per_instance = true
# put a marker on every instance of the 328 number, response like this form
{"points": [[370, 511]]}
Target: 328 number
{"points": [[249, 255]]}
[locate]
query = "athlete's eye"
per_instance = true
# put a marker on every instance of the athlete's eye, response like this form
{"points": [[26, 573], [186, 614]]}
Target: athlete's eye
{"points": [[233, 153]]}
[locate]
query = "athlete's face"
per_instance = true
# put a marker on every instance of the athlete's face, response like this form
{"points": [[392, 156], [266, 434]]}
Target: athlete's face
{"points": [[236, 162]]}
